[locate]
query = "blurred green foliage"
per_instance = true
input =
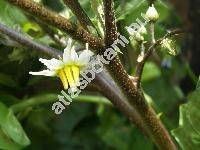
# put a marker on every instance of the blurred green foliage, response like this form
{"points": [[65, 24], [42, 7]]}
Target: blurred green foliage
{"points": [[85, 125], [188, 132]]}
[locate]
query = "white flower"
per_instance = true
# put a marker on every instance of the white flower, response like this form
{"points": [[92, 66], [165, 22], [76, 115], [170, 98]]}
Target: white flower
{"points": [[152, 14], [68, 68]]}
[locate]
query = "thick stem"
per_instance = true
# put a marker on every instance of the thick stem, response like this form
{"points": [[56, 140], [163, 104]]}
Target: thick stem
{"points": [[27, 42], [153, 125], [155, 128]]}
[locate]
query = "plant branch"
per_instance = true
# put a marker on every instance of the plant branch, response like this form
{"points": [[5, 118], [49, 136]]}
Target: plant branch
{"points": [[110, 23], [52, 18], [153, 125], [77, 10], [140, 65], [24, 41], [139, 71], [139, 59]]}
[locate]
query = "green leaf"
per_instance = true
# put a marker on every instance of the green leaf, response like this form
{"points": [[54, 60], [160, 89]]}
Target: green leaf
{"points": [[6, 143], [10, 15], [119, 135], [188, 132], [32, 29], [166, 95], [11, 126]]}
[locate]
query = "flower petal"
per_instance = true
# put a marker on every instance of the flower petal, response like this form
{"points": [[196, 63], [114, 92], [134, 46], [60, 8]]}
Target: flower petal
{"points": [[84, 57], [74, 55], [44, 73], [66, 53], [52, 64], [69, 54]]}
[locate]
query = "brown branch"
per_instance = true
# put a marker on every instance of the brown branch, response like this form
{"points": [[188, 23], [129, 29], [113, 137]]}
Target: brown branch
{"points": [[153, 125], [110, 23], [140, 65], [52, 18], [77, 10]]}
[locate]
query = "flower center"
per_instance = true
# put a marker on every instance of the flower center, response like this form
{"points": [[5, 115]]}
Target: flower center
{"points": [[69, 75]]}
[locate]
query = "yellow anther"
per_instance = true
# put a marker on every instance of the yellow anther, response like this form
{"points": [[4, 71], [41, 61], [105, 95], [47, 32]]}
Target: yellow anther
{"points": [[75, 71], [69, 75], [63, 78]]}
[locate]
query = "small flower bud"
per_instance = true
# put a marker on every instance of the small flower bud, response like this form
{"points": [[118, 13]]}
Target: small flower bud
{"points": [[136, 35], [142, 30], [152, 13], [169, 46]]}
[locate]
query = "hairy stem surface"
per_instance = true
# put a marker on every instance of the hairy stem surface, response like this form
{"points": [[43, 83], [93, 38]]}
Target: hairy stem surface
{"points": [[153, 125]]}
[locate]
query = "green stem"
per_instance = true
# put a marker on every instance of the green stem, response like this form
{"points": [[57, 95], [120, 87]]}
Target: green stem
{"points": [[49, 98], [152, 28]]}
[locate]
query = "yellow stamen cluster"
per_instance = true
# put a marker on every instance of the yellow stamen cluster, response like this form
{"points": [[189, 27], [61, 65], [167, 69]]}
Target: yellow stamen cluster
{"points": [[69, 75]]}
